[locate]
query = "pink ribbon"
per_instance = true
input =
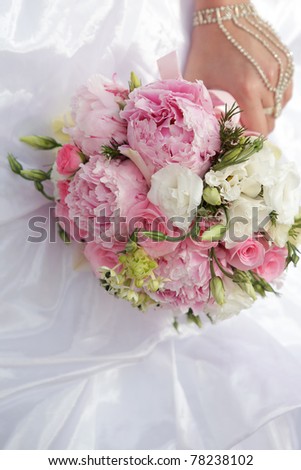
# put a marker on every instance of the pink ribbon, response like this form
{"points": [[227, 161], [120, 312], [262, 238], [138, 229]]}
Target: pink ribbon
{"points": [[168, 66]]}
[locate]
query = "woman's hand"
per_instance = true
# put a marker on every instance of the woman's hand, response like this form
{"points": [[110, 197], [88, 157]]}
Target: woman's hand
{"points": [[213, 59]]}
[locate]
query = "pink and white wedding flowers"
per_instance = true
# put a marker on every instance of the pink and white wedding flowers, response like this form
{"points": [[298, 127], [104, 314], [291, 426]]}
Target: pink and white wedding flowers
{"points": [[176, 206]]}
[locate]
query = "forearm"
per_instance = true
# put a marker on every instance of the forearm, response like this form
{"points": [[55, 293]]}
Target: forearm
{"points": [[200, 4]]}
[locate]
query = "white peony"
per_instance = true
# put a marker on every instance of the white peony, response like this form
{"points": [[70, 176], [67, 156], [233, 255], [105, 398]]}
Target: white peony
{"points": [[235, 301], [177, 191]]}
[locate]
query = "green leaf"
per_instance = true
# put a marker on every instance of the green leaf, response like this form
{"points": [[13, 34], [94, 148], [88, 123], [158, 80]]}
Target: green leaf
{"points": [[239, 154], [273, 216], [155, 236], [176, 325]]}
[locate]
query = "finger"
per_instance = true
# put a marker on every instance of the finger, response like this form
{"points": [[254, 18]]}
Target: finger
{"points": [[268, 106], [288, 94], [253, 117], [270, 123]]}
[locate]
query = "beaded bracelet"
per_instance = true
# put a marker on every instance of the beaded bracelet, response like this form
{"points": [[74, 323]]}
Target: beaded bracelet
{"points": [[263, 32]]}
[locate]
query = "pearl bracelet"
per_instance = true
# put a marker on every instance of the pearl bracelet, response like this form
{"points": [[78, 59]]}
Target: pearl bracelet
{"points": [[262, 32]]}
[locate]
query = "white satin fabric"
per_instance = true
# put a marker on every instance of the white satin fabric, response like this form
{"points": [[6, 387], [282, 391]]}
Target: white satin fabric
{"points": [[79, 369]]}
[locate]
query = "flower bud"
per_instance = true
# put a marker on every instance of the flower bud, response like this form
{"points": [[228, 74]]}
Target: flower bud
{"points": [[39, 142], [228, 158], [214, 233], [134, 82], [39, 186], [242, 278], [15, 166], [153, 285], [139, 283], [34, 175], [248, 288], [212, 196], [217, 289], [132, 296], [259, 289]]}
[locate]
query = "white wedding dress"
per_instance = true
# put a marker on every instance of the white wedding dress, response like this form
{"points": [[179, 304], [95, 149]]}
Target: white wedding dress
{"points": [[79, 369]]}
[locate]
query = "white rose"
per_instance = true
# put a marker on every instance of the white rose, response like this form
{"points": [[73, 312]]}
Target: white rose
{"points": [[235, 301], [246, 216], [283, 196], [177, 191]]}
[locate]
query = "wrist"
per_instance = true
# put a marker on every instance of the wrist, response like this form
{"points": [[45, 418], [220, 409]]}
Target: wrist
{"points": [[202, 4]]}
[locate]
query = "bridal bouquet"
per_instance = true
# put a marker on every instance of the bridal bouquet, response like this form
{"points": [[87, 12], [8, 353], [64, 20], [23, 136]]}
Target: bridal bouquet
{"points": [[175, 204]]}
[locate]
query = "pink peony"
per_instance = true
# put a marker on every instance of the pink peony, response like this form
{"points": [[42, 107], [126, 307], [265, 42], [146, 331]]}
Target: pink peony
{"points": [[274, 263], [172, 121], [95, 111], [146, 216], [188, 274], [68, 160], [100, 197], [246, 255], [98, 257]]}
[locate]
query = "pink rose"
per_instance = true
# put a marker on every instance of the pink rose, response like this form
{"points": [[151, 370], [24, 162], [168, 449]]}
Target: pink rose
{"points": [[98, 257], [100, 197], [68, 160], [63, 189], [172, 121], [274, 263], [246, 255], [95, 111], [66, 223], [188, 275]]}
